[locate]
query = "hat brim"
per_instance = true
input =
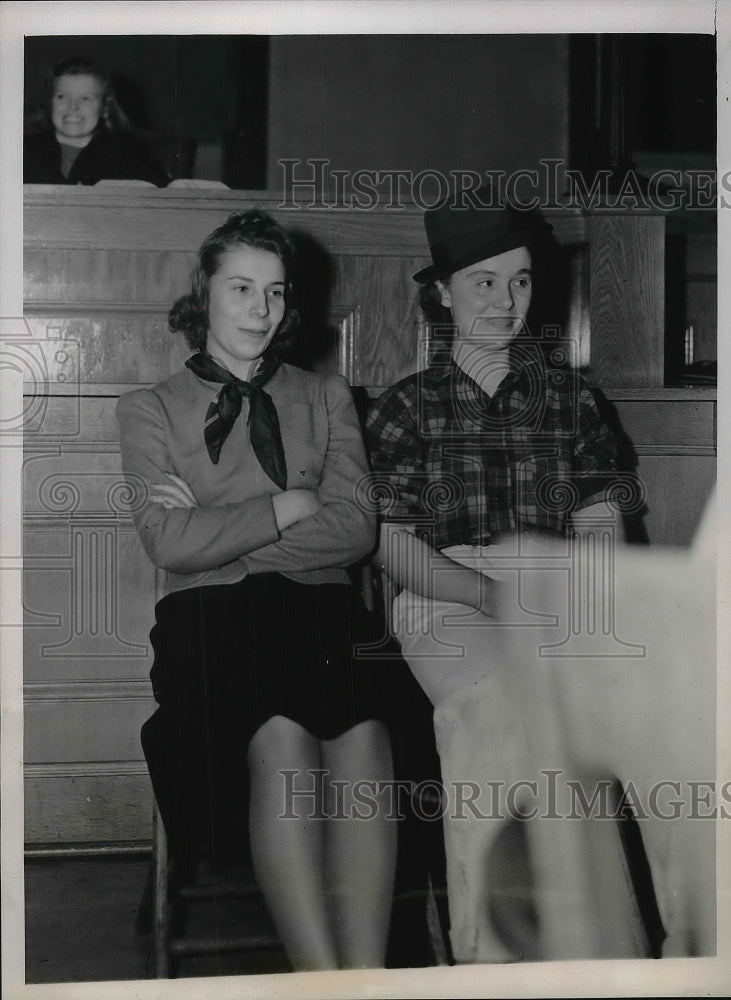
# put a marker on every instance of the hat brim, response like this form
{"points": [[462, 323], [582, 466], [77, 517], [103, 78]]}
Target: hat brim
{"points": [[484, 250]]}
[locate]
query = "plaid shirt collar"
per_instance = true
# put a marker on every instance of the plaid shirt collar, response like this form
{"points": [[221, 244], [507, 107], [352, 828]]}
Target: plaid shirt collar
{"points": [[525, 355]]}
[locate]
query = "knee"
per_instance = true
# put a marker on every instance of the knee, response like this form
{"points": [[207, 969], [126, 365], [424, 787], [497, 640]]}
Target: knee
{"points": [[363, 751], [369, 735], [278, 742]]}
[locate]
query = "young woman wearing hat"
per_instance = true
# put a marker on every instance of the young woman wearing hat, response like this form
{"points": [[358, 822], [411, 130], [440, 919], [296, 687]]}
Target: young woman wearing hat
{"points": [[485, 454], [488, 443]]}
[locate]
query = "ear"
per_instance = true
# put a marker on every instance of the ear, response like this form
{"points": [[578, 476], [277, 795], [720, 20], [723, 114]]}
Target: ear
{"points": [[446, 298]]}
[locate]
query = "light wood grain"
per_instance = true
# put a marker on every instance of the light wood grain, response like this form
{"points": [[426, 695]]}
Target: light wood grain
{"points": [[677, 488], [54, 564], [661, 423], [178, 220], [93, 729], [627, 299], [87, 803]]}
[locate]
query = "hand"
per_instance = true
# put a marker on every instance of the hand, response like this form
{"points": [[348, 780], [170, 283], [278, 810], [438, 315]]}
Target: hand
{"points": [[174, 494], [294, 505]]}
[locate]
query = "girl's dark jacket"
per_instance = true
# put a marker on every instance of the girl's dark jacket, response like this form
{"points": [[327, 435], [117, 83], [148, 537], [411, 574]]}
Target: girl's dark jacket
{"points": [[109, 156]]}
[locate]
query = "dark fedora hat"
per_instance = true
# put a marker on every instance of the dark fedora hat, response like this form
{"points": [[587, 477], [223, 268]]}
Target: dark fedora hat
{"points": [[471, 227]]}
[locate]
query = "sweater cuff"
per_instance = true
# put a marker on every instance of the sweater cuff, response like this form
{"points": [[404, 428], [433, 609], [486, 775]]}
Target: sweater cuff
{"points": [[263, 512]]}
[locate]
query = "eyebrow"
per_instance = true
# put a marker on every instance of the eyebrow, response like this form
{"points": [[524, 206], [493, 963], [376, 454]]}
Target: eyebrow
{"points": [[243, 277], [523, 270]]}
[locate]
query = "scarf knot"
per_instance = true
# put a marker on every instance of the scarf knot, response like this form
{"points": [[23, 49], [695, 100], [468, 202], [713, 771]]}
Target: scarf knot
{"points": [[263, 422]]}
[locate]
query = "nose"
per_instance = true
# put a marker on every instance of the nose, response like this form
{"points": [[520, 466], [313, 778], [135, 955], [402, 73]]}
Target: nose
{"points": [[260, 304], [503, 298]]}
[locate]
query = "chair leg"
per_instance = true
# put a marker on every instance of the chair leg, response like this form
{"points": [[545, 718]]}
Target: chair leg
{"points": [[438, 922], [162, 908], [144, 920]]}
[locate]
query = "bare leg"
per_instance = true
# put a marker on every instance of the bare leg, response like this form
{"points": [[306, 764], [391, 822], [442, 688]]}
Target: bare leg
{"points": [[361, 852], [288, 853]]}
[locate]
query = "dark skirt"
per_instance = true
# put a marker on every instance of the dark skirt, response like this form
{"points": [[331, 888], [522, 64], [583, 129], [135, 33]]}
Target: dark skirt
{"points": [[227, 658]]}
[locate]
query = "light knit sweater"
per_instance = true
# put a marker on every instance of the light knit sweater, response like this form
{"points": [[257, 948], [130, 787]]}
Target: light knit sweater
{"points": [[233, 531]]}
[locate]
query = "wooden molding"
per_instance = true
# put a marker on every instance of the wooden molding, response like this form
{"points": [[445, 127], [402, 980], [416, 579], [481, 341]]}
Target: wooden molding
{"points": [[50, 309], [119, 219], [677, 449], [87, 769], [87, 690]]}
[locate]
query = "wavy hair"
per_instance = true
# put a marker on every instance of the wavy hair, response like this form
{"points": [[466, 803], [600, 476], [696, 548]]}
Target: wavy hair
{"points": [[253, 228], [111, 118]]}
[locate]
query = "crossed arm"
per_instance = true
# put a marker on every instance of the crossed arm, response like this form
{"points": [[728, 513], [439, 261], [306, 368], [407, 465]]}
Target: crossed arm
{"points": [[293, 530], [412, 563]]}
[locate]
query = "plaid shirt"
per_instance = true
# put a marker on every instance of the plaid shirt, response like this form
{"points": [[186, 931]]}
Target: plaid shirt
{"points": [[466, 466]]}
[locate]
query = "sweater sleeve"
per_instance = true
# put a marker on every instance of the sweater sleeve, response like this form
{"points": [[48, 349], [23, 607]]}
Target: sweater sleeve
{"points": [[182, 540], [343, 530]]}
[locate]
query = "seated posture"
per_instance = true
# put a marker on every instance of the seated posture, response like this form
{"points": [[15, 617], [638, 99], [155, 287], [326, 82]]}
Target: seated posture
{"points": [[247, 470], [488, 452], [82, 136]]}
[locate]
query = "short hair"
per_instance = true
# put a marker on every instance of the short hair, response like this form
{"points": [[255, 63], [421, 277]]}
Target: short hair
{"points": [[253, 228], [111, 118], [441, 327], [430, 301]]}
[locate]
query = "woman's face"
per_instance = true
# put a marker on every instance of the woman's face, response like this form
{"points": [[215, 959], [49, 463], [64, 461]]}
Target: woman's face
{"points": [[489, 300], [76, 107], [245, 307]]}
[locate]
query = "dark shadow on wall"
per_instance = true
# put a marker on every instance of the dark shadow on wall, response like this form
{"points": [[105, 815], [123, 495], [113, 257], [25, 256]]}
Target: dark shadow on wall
{"points": [[635, 531], [314, 277]]}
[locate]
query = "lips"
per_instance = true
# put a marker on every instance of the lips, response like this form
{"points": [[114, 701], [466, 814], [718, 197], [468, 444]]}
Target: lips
{"points": [[500, 322]]}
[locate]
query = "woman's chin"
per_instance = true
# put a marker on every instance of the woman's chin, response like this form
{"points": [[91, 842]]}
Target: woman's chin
{"points": [[496, 335]]}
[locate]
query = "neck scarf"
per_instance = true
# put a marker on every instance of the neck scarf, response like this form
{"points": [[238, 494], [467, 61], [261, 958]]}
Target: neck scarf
{"points": [[264, 433]]}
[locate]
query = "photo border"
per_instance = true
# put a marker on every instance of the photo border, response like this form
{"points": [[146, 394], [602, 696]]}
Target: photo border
{"points": [[599, 978]]}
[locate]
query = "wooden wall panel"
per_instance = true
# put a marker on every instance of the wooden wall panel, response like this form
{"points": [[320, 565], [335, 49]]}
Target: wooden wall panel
{"points": [[386, 349], [88, 607], [678, 487], [174, 220], [671, 426], [111, 347], [74, 483], [126, 279], [86, 422], [627, 299], [702, 315], [86, 722], [91, 804]]}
